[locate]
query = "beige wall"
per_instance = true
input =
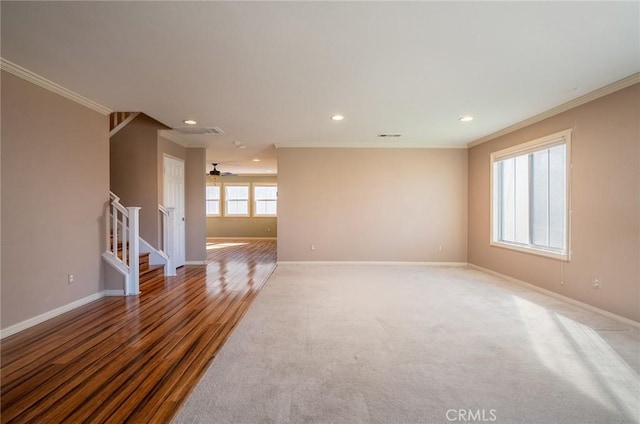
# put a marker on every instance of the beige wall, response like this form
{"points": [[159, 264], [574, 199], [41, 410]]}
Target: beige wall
{"points": [[55, 185], [372, 205], [137, 176], [134, 176], [168, 147], [244, 226], [605, 190], [196, 230]]}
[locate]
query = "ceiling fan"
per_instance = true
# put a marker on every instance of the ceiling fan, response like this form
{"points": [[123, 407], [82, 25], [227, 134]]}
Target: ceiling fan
{"points": [[216, 173]]}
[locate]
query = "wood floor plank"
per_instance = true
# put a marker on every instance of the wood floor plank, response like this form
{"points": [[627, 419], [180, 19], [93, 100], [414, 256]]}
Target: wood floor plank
{"points": [[133, 359]]}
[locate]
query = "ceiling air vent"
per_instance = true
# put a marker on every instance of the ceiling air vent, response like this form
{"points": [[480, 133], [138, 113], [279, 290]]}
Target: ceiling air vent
{"points": [[389, 135], [199, 130]]}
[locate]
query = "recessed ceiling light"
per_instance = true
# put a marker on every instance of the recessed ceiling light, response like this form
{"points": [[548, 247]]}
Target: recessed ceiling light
{"points": [[256, 160], [337, 117], [466, 118], [189, 122]]}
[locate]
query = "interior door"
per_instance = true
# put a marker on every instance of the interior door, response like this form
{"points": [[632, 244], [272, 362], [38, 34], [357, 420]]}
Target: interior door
{"points": [[174, 197]]}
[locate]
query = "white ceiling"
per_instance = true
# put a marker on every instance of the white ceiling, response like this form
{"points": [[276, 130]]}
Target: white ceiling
{"points": [[272, 73]]}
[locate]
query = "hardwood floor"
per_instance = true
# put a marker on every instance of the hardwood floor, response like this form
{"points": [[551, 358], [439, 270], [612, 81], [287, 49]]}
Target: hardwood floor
{"points": [[133, 359]]}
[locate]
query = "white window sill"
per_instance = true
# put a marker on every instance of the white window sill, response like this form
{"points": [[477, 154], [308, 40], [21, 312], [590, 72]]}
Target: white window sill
{"points": [[532, 251]]}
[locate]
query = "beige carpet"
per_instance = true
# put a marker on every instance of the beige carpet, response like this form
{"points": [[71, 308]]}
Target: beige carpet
{"points": [[416, 344]]}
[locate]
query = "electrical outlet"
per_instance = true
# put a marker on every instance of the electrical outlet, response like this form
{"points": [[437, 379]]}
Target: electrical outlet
{"points": [[597, 283], [268, 229], [439, 248], [70, 278], [313, 247]]}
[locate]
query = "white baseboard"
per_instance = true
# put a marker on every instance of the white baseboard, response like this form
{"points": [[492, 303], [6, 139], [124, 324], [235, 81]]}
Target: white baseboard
{"points": [[16, 328], [195, 263], [113, 293], [558, 296], [457, 264]]}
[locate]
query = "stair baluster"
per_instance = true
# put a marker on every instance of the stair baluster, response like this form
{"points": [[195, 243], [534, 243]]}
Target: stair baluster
{"points": [[123, 230], [167, 216]]}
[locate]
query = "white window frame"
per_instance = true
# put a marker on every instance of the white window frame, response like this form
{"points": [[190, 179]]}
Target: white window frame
{"points": [[220, 201], [226, 213], [255, 201], [556, 139]]}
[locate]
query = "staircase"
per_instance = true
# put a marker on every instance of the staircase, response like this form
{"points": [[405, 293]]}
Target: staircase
{"points": [[129, 255], [118, 120], [135, 260], [146, 271], [123, 243]]}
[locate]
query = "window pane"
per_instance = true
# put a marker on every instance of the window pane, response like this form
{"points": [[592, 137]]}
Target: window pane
{"points": [[540, 198], [557, 196], [213, 207], [266, 207], [507, 200], [266, 192], [265, 200], [237, 200], [237, 207], [213, 192], [522, 199], [237, 192], [212, 197], [549, 197], [514, 199]]}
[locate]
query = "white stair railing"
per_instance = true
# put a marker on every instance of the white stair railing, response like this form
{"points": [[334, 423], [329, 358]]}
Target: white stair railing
{"points": [[167, 225], [122, 233]]}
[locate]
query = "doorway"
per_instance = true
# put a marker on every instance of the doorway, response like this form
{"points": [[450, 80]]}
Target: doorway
{"points": [[174, 197]]}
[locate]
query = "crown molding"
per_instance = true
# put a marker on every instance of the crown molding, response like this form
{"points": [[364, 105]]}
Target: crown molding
{"points": [[589, 97], [36, 79], [367, 146], [169, 135]]}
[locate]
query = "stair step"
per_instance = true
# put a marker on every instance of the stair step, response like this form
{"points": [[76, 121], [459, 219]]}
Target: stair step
{"points": [[147, 272], [143, 262], [153, 272]]}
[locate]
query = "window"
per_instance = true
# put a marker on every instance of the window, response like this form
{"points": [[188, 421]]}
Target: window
{"points": [[236, 200], [212, 200], [530, 192], [265, 199]]}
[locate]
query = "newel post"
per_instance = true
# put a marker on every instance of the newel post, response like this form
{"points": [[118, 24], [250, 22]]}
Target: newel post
{"points": [[133, 284]]}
